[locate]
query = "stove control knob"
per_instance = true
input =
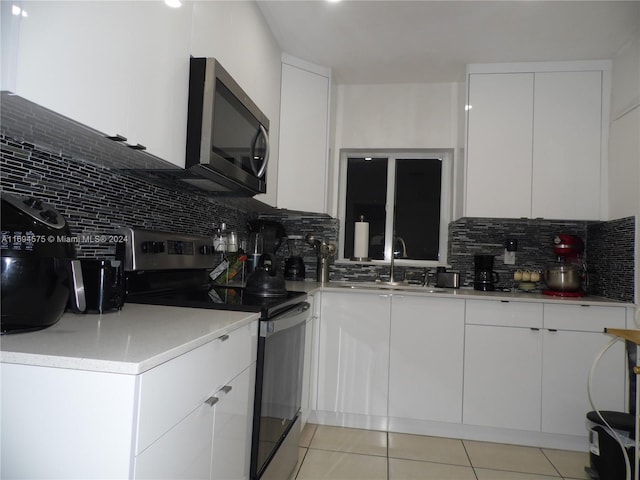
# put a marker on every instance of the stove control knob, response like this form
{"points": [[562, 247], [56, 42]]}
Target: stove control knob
{"points": [[152, 247], [206, 250], [33, 203], [49, 216]]}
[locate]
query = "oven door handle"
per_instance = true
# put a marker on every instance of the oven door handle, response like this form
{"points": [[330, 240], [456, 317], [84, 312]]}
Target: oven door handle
{"points": [[292, 318]]}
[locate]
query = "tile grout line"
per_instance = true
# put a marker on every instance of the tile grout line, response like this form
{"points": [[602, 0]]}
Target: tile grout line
{"points": [[388, 462], [552, 464], [473, 468]]}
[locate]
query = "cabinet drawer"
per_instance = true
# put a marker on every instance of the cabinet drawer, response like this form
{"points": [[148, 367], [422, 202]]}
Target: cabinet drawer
{"points": [[584, 318], [504, 313], [170, 392]]}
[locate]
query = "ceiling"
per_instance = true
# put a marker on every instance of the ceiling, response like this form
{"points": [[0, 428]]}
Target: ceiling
{"points": [[397, 41]]}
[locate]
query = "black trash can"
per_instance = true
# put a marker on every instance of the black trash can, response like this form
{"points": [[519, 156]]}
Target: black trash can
{"points": [[605, 455]]}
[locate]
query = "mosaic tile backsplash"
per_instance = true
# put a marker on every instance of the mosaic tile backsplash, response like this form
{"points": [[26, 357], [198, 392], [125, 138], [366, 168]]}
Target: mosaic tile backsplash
{"points": [[96, 200]]}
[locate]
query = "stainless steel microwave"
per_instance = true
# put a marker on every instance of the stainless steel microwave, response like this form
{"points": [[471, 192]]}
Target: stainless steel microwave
{"points": [[227, 134]]}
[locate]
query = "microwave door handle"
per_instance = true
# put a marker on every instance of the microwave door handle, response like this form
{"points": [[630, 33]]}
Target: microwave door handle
{"points": [[259, 172]]}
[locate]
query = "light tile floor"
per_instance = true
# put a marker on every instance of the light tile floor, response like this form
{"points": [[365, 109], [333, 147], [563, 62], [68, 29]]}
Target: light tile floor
{"points": [[335, 453]]}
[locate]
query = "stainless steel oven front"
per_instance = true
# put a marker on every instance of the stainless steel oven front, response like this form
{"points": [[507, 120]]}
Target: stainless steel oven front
{"points": [[278, 396]]}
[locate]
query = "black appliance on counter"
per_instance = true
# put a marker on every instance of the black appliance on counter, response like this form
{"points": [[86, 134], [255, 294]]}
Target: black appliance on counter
{"points": [[40, 273], [173, 269], [227, 134], [103, 284], [267, 235], [485, 278]]}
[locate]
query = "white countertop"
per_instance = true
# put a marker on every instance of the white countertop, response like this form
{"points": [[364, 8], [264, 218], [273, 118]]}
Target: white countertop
{"points": [[131, 341], [140, 337], [468, 293]]}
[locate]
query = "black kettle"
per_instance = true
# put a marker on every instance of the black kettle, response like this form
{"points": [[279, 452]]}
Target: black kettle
{"points": [[266, 280]]}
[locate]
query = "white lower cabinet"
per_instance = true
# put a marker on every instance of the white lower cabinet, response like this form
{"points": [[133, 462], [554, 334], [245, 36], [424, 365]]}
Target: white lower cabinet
{"points": [[353, 368], [66, 424], [529, 372], [425, 358], [514, 370], [195, 414], [182, 453], [502, 367], [572, 339], [188, 418], [232, 428], [213, 442]]}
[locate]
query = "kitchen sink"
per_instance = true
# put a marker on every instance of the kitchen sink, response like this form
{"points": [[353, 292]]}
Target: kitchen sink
{"points": [[395, 286]]}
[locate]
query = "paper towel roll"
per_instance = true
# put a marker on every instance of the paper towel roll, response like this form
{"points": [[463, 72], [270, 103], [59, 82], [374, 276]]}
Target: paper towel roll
{"points": [[361, 240]]}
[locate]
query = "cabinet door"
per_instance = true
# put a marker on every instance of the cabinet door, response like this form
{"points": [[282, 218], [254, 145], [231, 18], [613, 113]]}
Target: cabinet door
{"points": [[567, 145], [184, 452], [426, 358], [75, 59], [64, 423], [499, 145], [502, 377], [567, 359], [117, 67], [353, 370], [232, 428], [160, 79], [304, 126]]}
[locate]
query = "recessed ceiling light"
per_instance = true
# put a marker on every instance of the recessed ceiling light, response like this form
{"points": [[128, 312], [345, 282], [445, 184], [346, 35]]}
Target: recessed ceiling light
{"points": [[16, 10], [334, 1], [173, 3]]}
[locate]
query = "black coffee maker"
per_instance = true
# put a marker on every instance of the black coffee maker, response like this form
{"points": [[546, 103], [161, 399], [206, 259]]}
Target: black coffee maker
{"points": [[484, 278], [294, 265]]}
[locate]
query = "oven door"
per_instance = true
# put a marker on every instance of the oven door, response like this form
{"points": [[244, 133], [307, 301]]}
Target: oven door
{"points": [[278, 390]]}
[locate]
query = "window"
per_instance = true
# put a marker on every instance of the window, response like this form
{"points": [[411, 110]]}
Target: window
{"points": [[406, 198]]}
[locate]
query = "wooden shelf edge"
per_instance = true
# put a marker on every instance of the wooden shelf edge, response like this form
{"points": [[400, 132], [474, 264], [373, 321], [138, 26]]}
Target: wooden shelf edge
{"points": [[632, 335]]}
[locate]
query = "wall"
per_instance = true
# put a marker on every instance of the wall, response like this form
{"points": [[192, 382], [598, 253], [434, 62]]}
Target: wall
{"points": [[624, 141], [420, 115]]}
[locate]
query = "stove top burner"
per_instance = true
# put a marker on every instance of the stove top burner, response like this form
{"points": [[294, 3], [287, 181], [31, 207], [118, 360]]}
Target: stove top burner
{"points": [[219, 298]]}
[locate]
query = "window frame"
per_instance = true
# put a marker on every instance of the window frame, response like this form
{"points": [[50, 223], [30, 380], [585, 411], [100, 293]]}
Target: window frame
{"points": [[446, 200]]}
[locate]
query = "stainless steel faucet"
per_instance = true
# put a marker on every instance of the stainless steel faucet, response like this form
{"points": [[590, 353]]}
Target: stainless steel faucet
{"points": [[392, 269], [402, 251]]}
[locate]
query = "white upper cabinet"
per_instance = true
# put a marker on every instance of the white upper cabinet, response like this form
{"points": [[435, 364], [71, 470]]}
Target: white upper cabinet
{"points": [[75, 59], [160, 79], [304, 134], [536, 140], [567, 126], [118, 67], [499, 143]]}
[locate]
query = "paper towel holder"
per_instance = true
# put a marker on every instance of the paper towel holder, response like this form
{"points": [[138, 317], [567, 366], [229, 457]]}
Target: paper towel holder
{"points": [[360, 258]]}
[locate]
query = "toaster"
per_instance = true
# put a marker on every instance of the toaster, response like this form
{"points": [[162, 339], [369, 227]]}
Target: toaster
{"points": [[448, 279]]}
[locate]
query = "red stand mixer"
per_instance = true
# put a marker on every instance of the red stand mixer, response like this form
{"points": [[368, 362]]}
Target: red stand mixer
{"points": [[567, 277]]}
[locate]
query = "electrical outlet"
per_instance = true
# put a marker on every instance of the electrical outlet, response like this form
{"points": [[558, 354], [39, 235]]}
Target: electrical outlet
{"points": [[509, 257]]}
